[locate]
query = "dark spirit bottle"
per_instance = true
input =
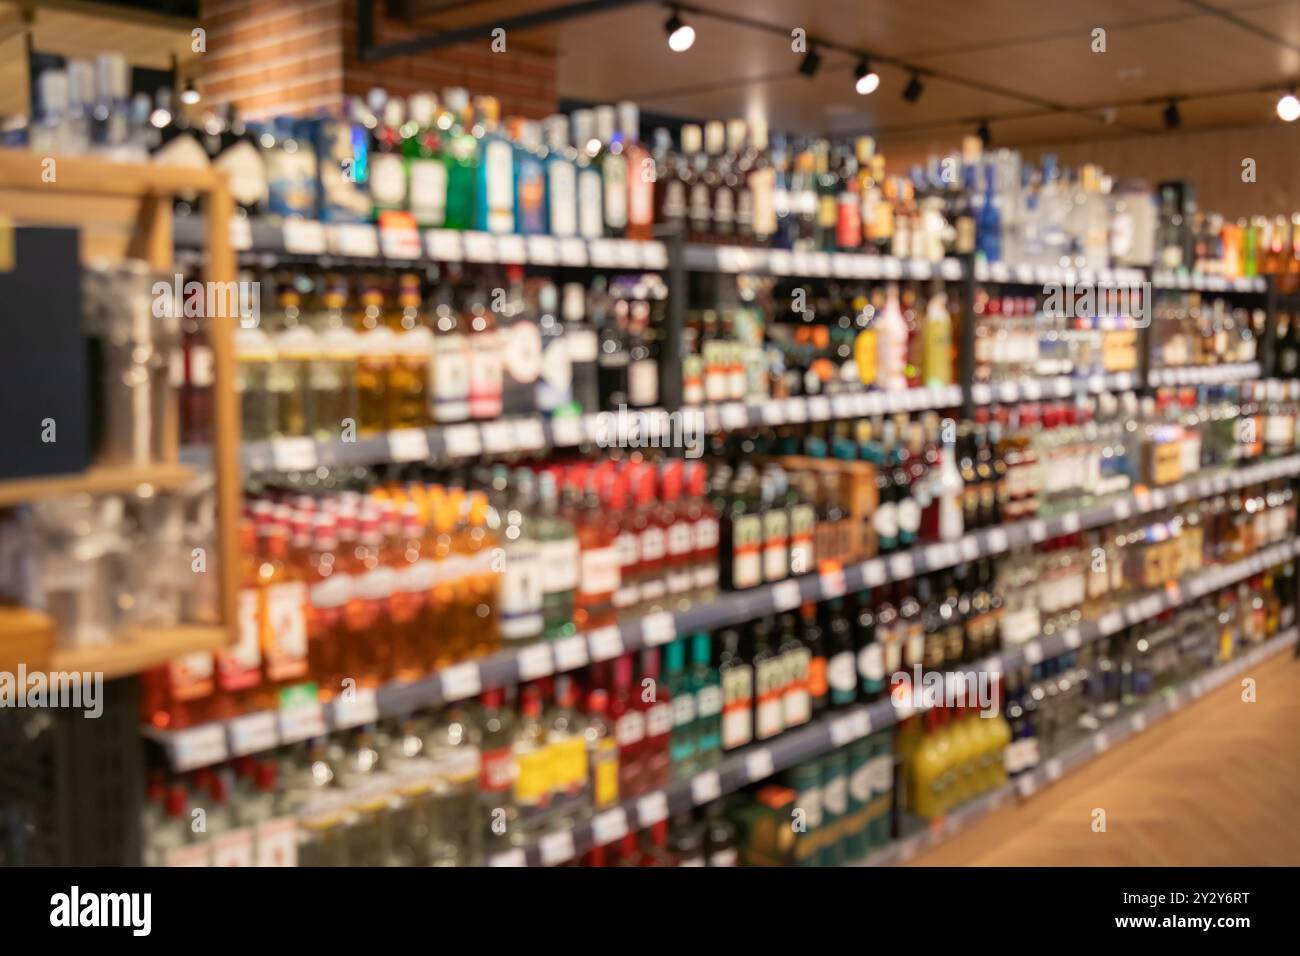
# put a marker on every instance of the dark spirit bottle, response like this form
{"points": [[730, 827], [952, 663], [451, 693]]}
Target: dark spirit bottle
{"points": [[769, 682], [814, 640], [795, 707], [737, 678], [841, 662], [870, 654]]}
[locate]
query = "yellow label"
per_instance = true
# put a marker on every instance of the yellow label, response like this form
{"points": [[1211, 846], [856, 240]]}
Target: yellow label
{"points": [[606, 774], [534, 780], [864, 355], [568, 763]]}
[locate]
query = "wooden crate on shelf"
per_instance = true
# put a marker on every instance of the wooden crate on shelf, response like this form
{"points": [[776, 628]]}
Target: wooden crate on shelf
{"points": [[125, 210]]}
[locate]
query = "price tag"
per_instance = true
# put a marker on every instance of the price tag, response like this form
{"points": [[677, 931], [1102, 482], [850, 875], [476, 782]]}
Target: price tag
{"points": [[997, 541], [773, 413], [863, 402], [1110, 622], [498, 438], [462, 441], [241, 234], [253, 733], [199, 746], [356, 708], [901, 566], [1073, 639], [981, 394], [735, 415], [444, 245], [891, 267], [786, 596], [832, 583], [1032, 390], [993, 665], [602, 252], [605, 643], [1122, 510], [1037, 530], [512, 249], [658, 629], [652, 808], [1007, 391], [535, 661], [705, 787], [233, 848], [277, 842], [479, 247], [566, 431], [654, 255], [302, 722], [873, 403], [873, 573], [1033, 653], [842, 405], [819, 408], [543, 251], [570, 653], [400, 243], [529, 435], [970, 548], [303, 237], [608, 827], [408, 444], [556, 847], [628, 254], [842, 731], [796, 410], [1026, 786], [461, 681], [758, 765], [513, 857], [353, 239], [1053, 769], [1069, 523], [293, 454]]}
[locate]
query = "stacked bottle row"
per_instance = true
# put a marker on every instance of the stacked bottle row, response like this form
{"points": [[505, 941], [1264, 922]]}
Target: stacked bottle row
{"points": [[341, 356], [1025, 337], [1189, 329], [1207, 243]]}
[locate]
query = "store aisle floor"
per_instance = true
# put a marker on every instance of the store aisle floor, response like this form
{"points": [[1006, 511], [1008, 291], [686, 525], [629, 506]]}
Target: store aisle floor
{"points": [[1216, 784]]}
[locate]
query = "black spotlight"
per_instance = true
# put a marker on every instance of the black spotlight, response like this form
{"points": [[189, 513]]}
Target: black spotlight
{"points": [[984, 134], [811, 62], [912, 92], [1173, 118]]}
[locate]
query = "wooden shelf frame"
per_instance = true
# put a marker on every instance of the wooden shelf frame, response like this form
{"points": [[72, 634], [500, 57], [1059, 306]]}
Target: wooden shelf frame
{"points": [[125, 210]]}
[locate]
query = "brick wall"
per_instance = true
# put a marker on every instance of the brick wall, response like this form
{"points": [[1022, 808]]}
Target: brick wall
{"points": [[271, 57]]}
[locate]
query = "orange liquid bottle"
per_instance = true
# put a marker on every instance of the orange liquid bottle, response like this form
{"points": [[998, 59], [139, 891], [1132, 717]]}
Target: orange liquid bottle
{"points": [[413, 598], [329, 587], [178, 694], [482, 578], [284, 623], [367, 652], [239, 667]]}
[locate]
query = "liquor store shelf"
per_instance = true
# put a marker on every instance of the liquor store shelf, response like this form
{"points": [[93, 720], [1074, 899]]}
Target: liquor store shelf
{"points": [[1062, 386], [450, 443], [1204, 374], [212, 742], [1075, 756], [759, 762], [1162, 279]]}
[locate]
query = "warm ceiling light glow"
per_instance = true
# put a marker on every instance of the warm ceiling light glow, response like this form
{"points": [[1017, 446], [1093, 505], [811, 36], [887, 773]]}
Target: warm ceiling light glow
{"points": [[681, 36], [865, 79]]}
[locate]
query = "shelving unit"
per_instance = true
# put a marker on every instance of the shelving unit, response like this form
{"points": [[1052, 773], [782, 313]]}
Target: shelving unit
{"points": [[125, 209]]}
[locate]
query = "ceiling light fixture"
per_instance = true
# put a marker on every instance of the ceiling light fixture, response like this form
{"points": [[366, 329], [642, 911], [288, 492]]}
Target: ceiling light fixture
{"points": [[865, 79], [681, 36], [1288, 107], [984, 133], [1173, 118], [912, 92], [811, 62], [190, 95]]}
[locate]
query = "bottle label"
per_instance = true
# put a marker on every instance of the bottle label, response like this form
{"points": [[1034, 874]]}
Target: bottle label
{"points": [[450, 371], [775, 545], [659, 720], [286, 619], [885, 521], [599, 571], [555, 387], [796, 704], [860, 783], [701, 207], [522, 352], [652, 544], [706, 533], [709, 700], [497, 770], [591, 221], [201, 366], [836, 795], [768, 718], [614, 170], [583, 346], [871, 663], [841, 675], [377, 584], [737, 718], [629, 730], [562, 194], [499, 168], [243, 164], [641, 194], [746, 561], [387, 180], [909, 519], [238, 667], [683, 710], [331, 593], [485, 375], [521, 593], [532, 779], [559, 558], [729, 856], [674, 205], [190, 677], [418, 578], [642, 383], [428, 192], [604, 762], [724, 211]]}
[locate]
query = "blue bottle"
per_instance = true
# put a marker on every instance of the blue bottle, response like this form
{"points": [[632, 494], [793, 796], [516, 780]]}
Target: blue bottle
{"points": [[530, 181]]}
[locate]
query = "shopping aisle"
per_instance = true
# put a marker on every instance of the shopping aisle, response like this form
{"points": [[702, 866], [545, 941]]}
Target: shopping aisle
{"points": [[1216, 784]]}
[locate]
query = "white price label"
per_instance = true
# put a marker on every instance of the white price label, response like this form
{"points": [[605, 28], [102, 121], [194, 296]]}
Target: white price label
{"points": [[461, 681], [1069, 523], [1032, 390], [608, 827], [535, 661], [253, 733], [970, 549], [658, 629], [873, 573], [832, 583], [513, 857], [556, 847], [400, 243], [1033, 653], [654, 255], [1100, 741], [1053, 769], [293, 454], [353, 239], [1037, 531], [199, 746], [773, 413], [997, 541], [444, 245], [901, 566], [705, 787], [1073, 639], [786, 596], [511, 249], [796, 409], [301, 723], [842, 731], [573, 252], [498, 438], [566, 431], [652, 808], [479, 247], [304, 237], [1110, 622], [819, 408], [356, 708], [529, 435], [570, 653], [462, 441], [605, 643], [734, 415], [408, 444], [241, 234], [758, 765], [543, 251], [233, 848]]}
